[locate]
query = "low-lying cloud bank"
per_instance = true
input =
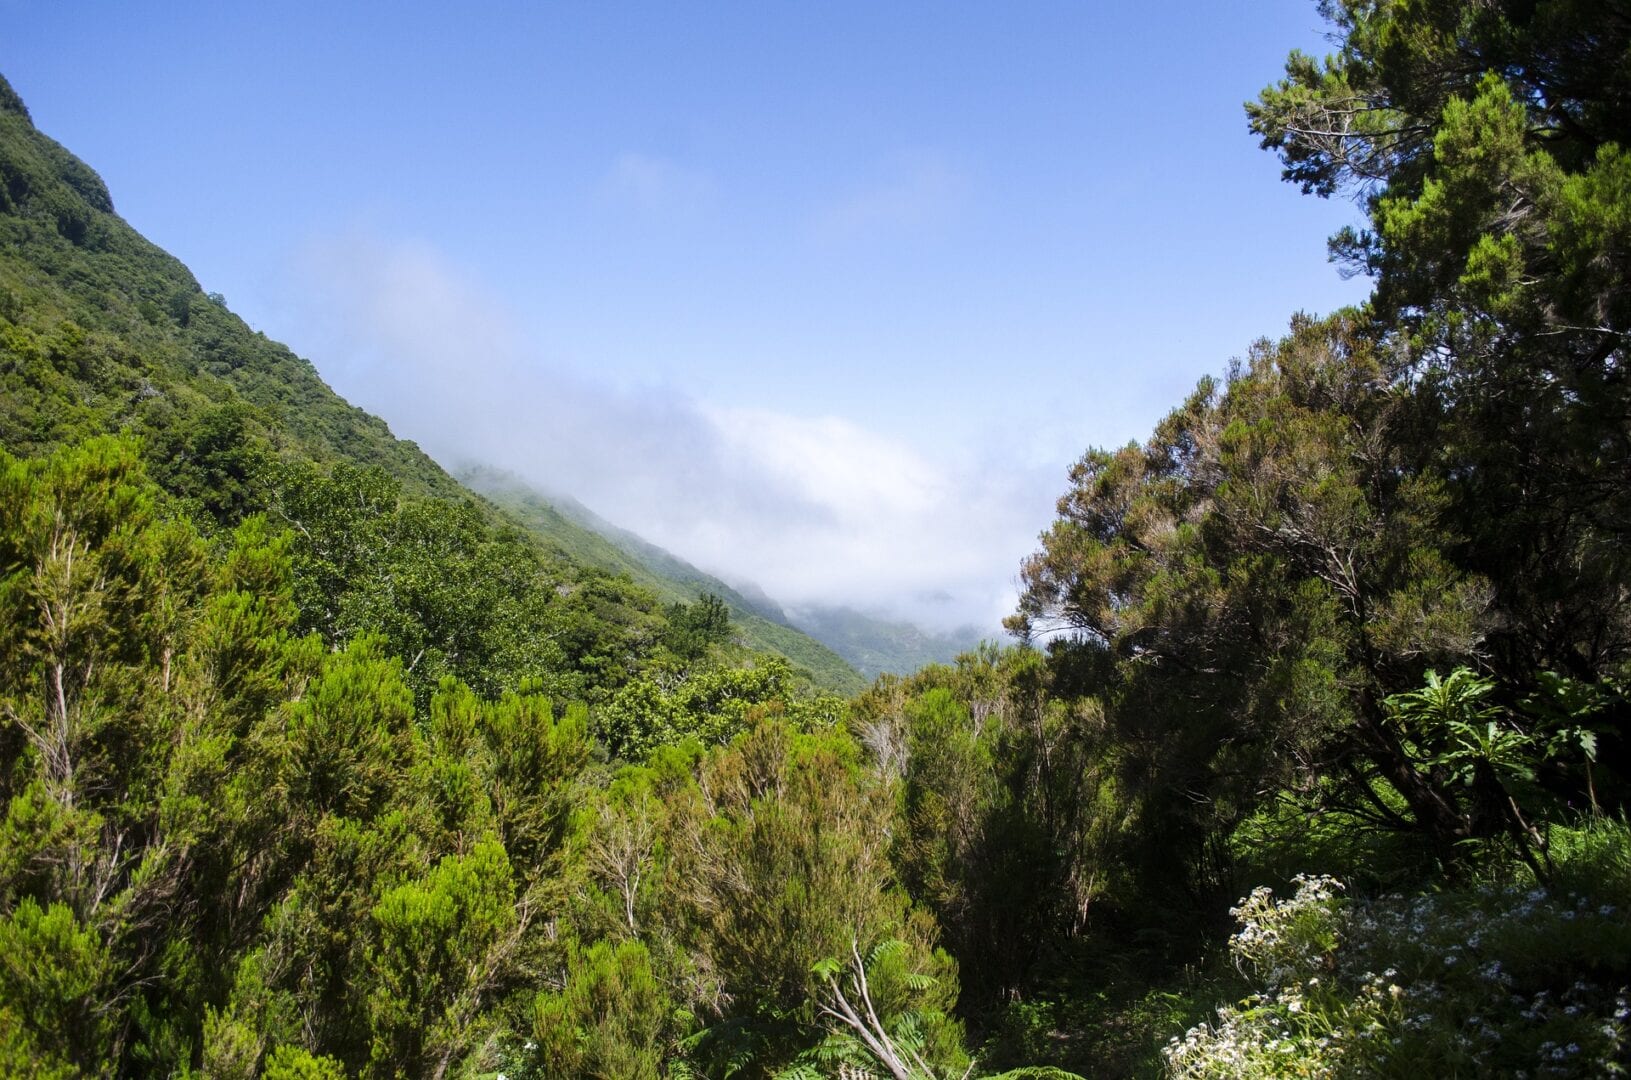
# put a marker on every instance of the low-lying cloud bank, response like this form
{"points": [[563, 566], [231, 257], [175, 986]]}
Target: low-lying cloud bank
{"points": [[813, 509]]}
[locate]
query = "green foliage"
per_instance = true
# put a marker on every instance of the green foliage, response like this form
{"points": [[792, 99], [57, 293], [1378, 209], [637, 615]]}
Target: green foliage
{"points": [[166, 738], [530, 767], [693, 628], [293, 741], [587, 540], [1456, 731], [53, 976], [612, 1018], [884, 1012], [784, 863], [1259, 578], [387, 885], [439, 941], [349, 736], [96, 588], [169, 733], [1486, 142], [997, 833], [449, 593], [743, 870], [711, 704], [293, 1063], [313, 766]]}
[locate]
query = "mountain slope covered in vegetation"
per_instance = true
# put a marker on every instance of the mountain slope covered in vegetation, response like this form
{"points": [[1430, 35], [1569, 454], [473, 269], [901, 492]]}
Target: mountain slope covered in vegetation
{"points": [[1312, 759], [869, 644], [878, 645], [107, 333], [592, 541]]}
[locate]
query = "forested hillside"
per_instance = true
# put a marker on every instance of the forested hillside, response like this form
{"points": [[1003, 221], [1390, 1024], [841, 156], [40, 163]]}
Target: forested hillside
{"points": [[107, 333], [879, 645], [1312, 760], [591, 541], [835, 643]]}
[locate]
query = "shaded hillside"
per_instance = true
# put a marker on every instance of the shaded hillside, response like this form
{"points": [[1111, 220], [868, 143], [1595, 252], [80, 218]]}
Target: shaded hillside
{"points": [[875, 645]]}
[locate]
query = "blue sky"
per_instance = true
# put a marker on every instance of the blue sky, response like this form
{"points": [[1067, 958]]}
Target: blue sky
{"points": [[826, 297]]}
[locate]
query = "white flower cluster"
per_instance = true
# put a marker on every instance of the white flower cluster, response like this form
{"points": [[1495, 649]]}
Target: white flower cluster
{"points": [[1279, 938], [1469, 985], [1283, 1031]]}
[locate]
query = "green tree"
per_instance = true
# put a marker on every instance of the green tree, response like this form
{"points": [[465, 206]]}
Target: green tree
{"points": [[694, 628], [713, 704], [781, 862], [998, 834], [1486, 143], [96, 590], [450, 593], [611, 1021], [54, 978], [443, 943]]}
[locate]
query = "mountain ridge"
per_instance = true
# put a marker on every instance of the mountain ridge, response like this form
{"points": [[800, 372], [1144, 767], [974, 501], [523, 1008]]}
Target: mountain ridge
{"points": [[102, 331], [579, 531], [871, 644]]}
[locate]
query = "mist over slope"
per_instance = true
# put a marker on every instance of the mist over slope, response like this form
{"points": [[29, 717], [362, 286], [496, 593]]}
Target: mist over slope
{"points": [[877, 645], [580, 533], [871, 644], [814, 508]]}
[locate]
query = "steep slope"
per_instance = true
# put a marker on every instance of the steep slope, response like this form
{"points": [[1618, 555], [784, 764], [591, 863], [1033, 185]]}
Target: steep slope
{"points": [[869, 644], [876, 645], [103, 332], [580, 534]]}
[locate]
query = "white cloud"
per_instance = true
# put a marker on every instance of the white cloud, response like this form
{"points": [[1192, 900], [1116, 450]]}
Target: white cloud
{"points": [[814, 509]]}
